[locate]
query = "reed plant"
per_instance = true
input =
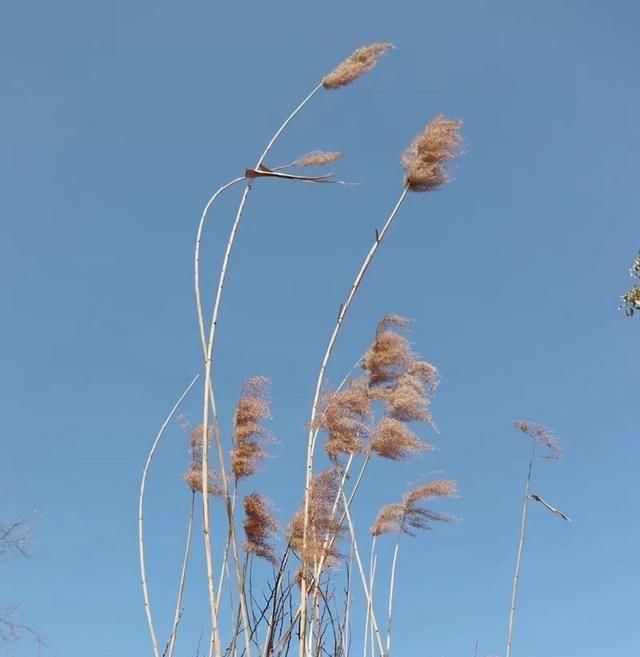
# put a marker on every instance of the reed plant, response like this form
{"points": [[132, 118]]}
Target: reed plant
{"points": [[379, 411]]}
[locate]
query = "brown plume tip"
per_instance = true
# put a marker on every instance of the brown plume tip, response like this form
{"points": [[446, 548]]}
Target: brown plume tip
{"points": [[357, 64], [248, 432], [407, 516], [426, 158], [260, 527], [318, 158], [540, 435]]}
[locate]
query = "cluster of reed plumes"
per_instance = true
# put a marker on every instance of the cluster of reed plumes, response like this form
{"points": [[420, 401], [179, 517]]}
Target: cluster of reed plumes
{"points": [[377, 413]]}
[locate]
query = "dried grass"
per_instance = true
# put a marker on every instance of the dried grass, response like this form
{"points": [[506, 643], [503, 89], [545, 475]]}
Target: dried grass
{"points": [[407, 516], [322, 525], [249, 433], [425, 159], [318, 158], [393, 440], [540, 435], [260, 527], [357, 64], [344, 417]]}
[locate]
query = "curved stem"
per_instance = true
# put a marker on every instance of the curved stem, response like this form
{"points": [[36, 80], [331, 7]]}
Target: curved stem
{"points": [[145, 472], [523, 531], [196, 258], [311, 442], [183, 577], [209, 397]]}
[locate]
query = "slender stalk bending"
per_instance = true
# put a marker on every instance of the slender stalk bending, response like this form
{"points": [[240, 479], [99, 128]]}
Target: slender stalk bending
{"points": [[145, 472]]}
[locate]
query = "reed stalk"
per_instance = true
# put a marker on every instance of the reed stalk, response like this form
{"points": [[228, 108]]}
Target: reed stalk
{"points": [[145, 472], [523, 531], [325, 361], [183, 577]]}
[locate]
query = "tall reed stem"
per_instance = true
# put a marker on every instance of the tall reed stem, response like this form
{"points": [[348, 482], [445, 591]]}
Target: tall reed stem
{"points": [[209, 397], [391, 589], [183, 577], [523, 531], [145, 472], [363, 578], [314, 409]]}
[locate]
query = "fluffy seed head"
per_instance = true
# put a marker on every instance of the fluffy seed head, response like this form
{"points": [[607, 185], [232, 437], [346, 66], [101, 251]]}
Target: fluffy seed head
{"points": [[260, 527], [408, 400], [426, 158], [344, 417], [357, 64], [248, 432], [193, 478], [540, 436], [390, 354], [407, 516], [392, 439], [321, 523], [318, 158]]}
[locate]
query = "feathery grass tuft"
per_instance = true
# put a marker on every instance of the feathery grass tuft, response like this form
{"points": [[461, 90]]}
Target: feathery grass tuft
{"points": [[260, 527], [425, 159], [248, 432], [355, 65]]}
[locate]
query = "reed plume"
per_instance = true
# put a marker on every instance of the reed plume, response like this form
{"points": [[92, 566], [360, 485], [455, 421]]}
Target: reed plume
{"points": [[540, 435], [344, 417], [193, 476], [408, 515], [408, 400], [260, 528], [393, 440], [355, 65], [317, 158], [426, 158], [390, 354], [321, 523], [248, 431]]}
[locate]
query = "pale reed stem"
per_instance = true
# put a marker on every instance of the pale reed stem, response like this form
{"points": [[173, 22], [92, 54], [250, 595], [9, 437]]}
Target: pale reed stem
{"points": [[391, 588], [224, 567], [372, 562], [183, 577], [143, 572], [523, 531], [209, 396], [325, 361], [346, 638], [363, 578], [196, 258]]}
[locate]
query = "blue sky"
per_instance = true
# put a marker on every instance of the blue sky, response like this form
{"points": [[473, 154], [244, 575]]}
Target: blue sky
{"points": [[119, 119]]}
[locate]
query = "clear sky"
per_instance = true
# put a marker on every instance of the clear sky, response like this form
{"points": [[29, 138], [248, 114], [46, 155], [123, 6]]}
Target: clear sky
{"points": [[119, 119]]}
